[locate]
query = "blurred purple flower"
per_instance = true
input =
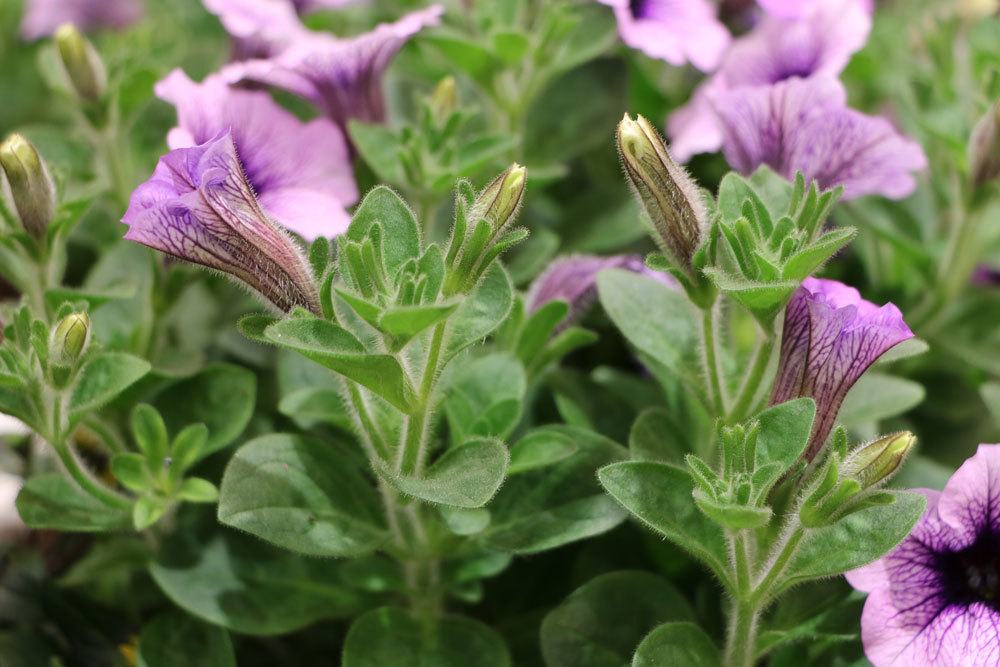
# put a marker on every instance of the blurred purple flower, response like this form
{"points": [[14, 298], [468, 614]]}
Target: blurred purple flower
{"points": [[341, 77], [830, 338], [935, 599], [804, 125], [307, 6], [677, 31], [819, 41], [986, 276], [42, 17], [199, 207], [301, 172], [797, 8], [573, 279]]}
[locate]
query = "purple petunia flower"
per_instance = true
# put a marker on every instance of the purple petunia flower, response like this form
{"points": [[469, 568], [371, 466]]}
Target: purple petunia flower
{"points": [[935, 599], [42, 17], [804, 125], [830, 338], [796, 8], [301, 172], [341, 77], [986, 276], [573, 279], [259, 28], [818, 41], [677, 31], [198, 206]]}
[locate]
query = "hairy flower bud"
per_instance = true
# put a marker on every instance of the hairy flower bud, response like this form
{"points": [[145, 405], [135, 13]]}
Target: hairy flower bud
{"points": [[69, 338], [878, 460], [984, 147], [498, 204], [666, 192], [444, 99], [31, 185], [83, 65]]}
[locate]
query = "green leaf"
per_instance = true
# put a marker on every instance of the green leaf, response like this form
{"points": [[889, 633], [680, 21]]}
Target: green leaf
{"points": [[511, 46], [856, 540], [484, 397], [405, 322], [379, 146], [392, 636], [734, 190], [600, 623], [303, 495], [197, 490], [337, 349], [540, 449], [481, 312], [466, 55], [656, 319], [991, 396], [316, 404], [57, 296], [542, 509], [400, 230], [150, 434], [677, 644], [806, 261], [464, 521], [877, 396], [656, 436], [659, 495], [187, 448], [222, 396], [252, 326], [52, 502], [763, 299], [147, 511], [130, 469], [248, 587], [102, 378], [464, 476], [175, 639], [538, 328], [783, 436]]}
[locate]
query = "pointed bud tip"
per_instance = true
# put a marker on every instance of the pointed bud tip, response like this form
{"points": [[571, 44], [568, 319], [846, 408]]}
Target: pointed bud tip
{"points": [[878, 460], [31, 187], [81, 62]]}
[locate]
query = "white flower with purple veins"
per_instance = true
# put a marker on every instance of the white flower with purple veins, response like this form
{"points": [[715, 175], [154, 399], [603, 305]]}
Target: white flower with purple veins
{"points": [[804, 125], [301, 172], [677, 31], [819, 41], [935, 599], [42, 17], [830, 338], [198, 206], [341, 77]]}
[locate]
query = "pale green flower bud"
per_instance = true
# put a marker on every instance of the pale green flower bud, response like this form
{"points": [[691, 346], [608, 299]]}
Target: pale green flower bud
{"points": [[501, 200], [31, 186], [444, 99], [82, 63], [665, 190], [877, 461], [984, 147], [70, 338]]}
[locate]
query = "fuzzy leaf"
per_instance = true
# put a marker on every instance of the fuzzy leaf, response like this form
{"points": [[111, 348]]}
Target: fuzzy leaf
{"points": [[465, 476], [677, 644], [400, 230], [102, 378], [52, 502], [175, 639]]}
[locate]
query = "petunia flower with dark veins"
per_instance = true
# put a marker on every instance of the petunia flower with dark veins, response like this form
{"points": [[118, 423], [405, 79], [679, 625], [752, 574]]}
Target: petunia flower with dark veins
{"points": [[804, 125], [818, 41], [198, 206], [677, 31], [43, 17], [341, 77], [301, 172], [830, 338], [935, 599]]}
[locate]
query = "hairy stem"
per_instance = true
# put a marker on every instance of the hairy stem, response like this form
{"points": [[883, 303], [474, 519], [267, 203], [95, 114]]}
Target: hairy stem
{"points": [[713, 374], [751, 382], [411, 454]]}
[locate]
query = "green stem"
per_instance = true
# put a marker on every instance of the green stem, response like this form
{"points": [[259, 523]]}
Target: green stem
{"points": [[84, 479], [369, 432], [411, 454], [751, 382], [763, 591], [711, 360], [741, 638]]}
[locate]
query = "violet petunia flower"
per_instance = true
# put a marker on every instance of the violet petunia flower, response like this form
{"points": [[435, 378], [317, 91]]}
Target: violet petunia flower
{"points": [[301, 172], [830, 338], [677, 31], [797, 8], [573, 279], [986, 276], [935, 599], [198, 206], [341, 77], [804, 125], [43, 17], [819, 41]]}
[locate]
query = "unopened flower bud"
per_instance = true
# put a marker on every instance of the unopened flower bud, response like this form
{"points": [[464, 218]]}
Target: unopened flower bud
{"points": [[500, 201], [70, 338], [444, 99], [83, 65], [878, 460], [984, 147], [666, 192], [31, 186]]}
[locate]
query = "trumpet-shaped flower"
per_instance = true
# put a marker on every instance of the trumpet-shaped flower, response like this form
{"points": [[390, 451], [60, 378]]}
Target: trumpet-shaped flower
{"points": [[301, 172], [818, 41], [199, 206], [795, 8], [831, 337], [677, 31], [935, 599], [804, 125], [43, 17], [341, 77]]}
